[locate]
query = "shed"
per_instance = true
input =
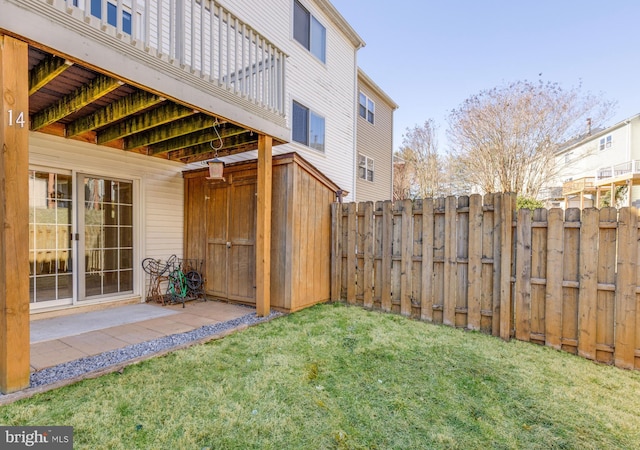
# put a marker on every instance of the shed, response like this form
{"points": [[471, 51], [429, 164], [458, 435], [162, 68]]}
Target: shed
{"points": [[220, 230]]}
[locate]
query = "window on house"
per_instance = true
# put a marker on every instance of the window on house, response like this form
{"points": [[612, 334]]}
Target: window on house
{"points": [[112, 15], [605, 142], [365, 167], [309, 32], [366, 108], [308, 128]]}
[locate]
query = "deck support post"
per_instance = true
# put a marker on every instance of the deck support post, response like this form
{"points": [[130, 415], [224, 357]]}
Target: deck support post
{"points": [[263, 231], [14, 215]]}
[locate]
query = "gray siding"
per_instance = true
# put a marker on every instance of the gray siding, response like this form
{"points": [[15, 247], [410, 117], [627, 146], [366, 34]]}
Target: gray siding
{"points": [[376, 141]]}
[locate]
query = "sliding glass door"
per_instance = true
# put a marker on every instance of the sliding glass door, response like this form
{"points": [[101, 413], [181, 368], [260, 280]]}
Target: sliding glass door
{"points": [[106, 237], [84, 215], [50, 238]]}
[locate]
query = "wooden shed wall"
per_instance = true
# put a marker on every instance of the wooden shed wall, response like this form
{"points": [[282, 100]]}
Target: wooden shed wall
{"points": [[312, 244], [300, 230]]}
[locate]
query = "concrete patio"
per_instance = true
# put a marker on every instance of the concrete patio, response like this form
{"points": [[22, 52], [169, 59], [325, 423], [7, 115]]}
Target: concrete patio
{"points": [[62, 339]]}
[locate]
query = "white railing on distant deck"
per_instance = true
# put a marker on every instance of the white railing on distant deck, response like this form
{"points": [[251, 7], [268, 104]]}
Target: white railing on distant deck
{"points": [[622, 169], [201, 36]]}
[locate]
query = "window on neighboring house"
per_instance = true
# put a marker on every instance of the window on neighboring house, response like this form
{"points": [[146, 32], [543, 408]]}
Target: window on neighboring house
{"points": [[309, 32], [307, 127], [366, 108], [112, 15], [605, 142], [365, 167]]}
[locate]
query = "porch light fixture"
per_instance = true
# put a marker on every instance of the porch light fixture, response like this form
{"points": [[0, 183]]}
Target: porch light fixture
{"points": [[216, 166], [216, 169]]}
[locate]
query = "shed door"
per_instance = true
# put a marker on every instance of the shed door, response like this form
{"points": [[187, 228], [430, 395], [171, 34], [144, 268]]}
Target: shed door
{"points": [[231, 230]]}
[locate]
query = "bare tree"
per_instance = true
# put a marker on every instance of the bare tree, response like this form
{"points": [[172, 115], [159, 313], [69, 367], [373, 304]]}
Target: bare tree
{"points": [[402, 178], [506, 138], [455, 181], [422, 164]]}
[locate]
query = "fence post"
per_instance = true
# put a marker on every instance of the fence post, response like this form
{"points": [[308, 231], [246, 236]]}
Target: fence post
{"points": [[352, 260], [474, 294], [625, 303], [553, 297], [368, 255], [588, 294], [387, 257], [426, 303], [506, 254], [336, 251], [523, 276], [450, 260], [407, 253], [497, 239]]}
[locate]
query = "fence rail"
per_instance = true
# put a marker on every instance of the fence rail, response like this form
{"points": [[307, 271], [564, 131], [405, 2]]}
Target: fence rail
{"points": [[566, 279]]}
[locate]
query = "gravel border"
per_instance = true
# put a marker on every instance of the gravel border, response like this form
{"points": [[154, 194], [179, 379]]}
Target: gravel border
{"points": [[98, 363]]}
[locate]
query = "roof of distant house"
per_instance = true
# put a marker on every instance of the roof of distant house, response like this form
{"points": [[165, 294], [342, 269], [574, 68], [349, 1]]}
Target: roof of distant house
{"points": [[593, 134]]}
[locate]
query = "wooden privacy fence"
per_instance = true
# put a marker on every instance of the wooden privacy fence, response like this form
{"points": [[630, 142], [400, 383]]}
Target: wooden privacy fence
{"points": [[566, 279]]}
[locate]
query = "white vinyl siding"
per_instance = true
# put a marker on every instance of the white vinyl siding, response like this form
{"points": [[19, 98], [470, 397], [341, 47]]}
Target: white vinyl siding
{"points": [[328, 89]]}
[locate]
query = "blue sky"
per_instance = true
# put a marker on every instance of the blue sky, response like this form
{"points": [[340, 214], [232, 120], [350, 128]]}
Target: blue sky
{"points": [[431, 55]]}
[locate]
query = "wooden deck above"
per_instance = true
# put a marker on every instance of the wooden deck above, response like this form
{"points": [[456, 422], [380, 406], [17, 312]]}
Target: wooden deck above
{"points": [[70, 100]]}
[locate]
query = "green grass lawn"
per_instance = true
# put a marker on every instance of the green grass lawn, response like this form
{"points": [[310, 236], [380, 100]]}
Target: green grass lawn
{"points": [[341, 377]]}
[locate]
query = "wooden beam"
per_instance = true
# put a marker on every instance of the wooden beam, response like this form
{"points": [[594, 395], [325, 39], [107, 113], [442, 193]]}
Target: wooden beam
{"points": [[118, 110], [48, 69], [173, 128], [232, 145], [81, 97], [263, 228], [14, 215], [211, 155], [200, 137]]}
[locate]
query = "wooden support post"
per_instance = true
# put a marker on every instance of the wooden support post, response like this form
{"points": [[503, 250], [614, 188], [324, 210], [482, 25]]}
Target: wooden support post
{"points": [[263, 235], [14, 215]]}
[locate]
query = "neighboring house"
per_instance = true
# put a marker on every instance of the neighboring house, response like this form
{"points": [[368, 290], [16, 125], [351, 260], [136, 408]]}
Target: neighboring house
{"points": [[374, 142], [599, 162], [106, 104]]}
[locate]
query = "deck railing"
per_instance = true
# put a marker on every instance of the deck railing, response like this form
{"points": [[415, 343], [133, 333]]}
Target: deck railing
{"points": [[618, 170], [201, 36], [579, 185]]}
